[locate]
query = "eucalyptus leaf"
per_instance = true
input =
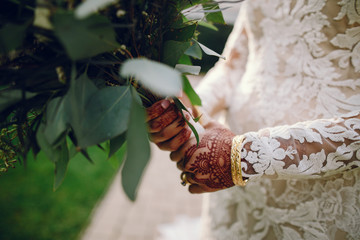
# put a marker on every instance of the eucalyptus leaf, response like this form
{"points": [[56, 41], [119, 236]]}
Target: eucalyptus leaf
{"points": [[85, 153], [10, 97], [208, 25], [11, 37], [44, 145], [88, 7], [75, 101], [116, 143], [56, 120], [84, 38], [138, 150], [210, 52], [157, 77], [181, 34], [194, 70], [210, 10], [194, 51], [105, 116], [190, 92], [117, 159], [59, 155], [61, 164], [185, 59], [94, 114], [173, 50], [215, 16]]}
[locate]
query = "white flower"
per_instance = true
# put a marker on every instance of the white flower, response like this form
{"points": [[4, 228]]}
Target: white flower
{"points": [[336, 203]]}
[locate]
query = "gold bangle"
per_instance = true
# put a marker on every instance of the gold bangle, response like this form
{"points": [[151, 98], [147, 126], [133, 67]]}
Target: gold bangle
{"points": [[236, 171]]}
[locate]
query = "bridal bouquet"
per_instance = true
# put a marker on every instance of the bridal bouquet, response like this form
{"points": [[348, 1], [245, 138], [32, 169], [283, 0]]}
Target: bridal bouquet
{"points": [[74, 74]]}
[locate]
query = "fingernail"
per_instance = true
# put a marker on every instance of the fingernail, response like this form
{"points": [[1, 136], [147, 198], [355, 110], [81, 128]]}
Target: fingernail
{"points": [[165, 104]]}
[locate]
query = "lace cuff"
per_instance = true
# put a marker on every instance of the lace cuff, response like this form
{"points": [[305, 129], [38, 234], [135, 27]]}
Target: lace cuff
{"points": [[310, 149]]}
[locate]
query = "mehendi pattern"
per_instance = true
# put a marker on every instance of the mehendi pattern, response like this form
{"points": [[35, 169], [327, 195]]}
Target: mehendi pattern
{"points": [[211, 166]]}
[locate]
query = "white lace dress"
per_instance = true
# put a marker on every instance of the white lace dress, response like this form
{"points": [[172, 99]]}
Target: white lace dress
{"points": [[291, 85]]}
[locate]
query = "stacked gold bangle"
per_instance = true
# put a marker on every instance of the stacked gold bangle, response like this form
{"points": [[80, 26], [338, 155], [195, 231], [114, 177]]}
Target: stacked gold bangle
{"points": [[236, 161]]}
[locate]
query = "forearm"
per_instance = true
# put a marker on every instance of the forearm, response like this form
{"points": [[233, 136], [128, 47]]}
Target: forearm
{"points": [[305, 150]]}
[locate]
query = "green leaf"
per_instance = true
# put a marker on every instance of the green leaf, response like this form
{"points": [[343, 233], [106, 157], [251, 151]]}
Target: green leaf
{"points": [[181, 34], [116, 143], [188, 69], [85, 153], [138, 150], [61, 164], [59, 155], [105, 115], [208, 25], [11, 97], [157, 77], [173, 50], [181, 107], [190, 92], [210, 52], [11, 37], [95, 114], [185, 59], [56, 120], [44, 145], [194, 51], [84, 38], [78, 95], [213, 16], [117, 159]]}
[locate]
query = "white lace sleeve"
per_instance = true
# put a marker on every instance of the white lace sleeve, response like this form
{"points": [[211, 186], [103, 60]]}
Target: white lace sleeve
{"points": [[310, 149], [217, 86]]}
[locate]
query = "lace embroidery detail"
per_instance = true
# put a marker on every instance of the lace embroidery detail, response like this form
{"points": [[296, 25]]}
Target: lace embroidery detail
{"points": [[351, 9], [279, 154], [302, 64]]}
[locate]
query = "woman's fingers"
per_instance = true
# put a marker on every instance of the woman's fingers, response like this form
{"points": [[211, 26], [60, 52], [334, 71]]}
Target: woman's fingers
{"points": [[179, 154], [194, 188], [170, 131], [176, 156], [199, 182], [165, 119], [157, 109], [177, 141], [181, 165]]}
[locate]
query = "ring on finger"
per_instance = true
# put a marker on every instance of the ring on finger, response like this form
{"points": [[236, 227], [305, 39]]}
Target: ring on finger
{"points": [[184, 179]]}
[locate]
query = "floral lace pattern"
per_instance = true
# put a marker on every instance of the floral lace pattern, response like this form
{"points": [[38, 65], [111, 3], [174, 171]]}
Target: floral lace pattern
{"points": [[294, 72]]}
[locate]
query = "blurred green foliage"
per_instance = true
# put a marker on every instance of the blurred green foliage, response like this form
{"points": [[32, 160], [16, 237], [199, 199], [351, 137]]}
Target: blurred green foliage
{"points": [[30, 209]]}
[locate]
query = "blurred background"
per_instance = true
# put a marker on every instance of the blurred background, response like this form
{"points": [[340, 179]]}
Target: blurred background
{"points": [[90, 204]]}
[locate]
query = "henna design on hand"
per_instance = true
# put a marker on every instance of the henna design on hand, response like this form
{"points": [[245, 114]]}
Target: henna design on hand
{"points": [[210, 162], [165, 119]]}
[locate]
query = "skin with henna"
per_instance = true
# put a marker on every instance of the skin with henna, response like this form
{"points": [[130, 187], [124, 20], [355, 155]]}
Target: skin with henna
{"points": [[208, 165], [167, 128]]}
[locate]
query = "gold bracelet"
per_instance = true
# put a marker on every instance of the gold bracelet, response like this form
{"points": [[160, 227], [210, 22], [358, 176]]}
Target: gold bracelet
{"points": [[236, 161]]}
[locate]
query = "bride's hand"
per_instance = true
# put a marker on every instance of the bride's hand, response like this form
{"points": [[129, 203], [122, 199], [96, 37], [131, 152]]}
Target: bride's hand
{"points": [[167, 128], [207, 166]]}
